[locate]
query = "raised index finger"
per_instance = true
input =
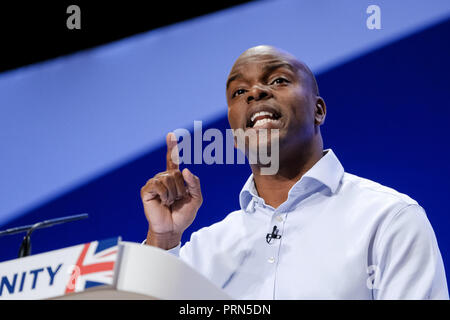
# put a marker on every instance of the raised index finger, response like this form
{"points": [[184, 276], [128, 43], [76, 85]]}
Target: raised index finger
{"points": [[172, 158]]}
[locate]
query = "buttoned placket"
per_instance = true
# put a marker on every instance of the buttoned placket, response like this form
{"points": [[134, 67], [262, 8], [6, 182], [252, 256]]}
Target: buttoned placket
{"points": [[279, 218], [273, 248], [277, 221]]}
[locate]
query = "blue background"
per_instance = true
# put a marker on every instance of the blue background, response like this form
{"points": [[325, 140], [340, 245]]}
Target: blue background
{"points": [[387, 121]]}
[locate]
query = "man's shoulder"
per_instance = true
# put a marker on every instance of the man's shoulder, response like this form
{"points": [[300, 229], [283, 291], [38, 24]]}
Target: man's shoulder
{"points": [[363, 187], [383, 208]]}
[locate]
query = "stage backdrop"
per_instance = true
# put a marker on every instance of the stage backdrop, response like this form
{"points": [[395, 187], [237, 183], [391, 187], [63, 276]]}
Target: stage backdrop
{"points": [[83, 133]]}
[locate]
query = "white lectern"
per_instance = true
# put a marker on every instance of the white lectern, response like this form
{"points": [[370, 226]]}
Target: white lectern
{"points": [[108, 269]]}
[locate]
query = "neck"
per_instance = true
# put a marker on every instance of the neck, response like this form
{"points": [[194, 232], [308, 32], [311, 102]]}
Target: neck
{"points": [[274, 189]]}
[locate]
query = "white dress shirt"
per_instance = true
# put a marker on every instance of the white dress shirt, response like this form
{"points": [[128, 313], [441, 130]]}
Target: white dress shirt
{"points": [[342, 237]]}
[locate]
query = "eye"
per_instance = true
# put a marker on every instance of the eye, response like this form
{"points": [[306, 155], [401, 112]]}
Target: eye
{"points": [[238, 92], [279, 80]]}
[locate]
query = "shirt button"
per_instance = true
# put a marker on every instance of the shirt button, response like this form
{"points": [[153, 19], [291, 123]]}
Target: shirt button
{"points": [[279, 218], [271, 260]]}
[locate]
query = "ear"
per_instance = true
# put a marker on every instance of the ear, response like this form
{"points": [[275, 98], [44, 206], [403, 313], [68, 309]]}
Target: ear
{"points": [[320, 111]]}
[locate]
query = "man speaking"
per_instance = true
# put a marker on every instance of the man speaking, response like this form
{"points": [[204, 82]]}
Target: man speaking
{"points": [[309, 231]]}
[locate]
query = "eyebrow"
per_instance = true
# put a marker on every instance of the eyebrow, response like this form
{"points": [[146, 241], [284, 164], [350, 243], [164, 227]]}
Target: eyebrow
{"points": [[266, 69], [232, 78]]}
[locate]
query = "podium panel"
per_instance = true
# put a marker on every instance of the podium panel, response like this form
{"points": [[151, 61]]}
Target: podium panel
{"points": [[107, 269]]}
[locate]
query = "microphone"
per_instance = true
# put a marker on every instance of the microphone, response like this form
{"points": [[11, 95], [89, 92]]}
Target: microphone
{"points": [[25, 248], [273, 235]]}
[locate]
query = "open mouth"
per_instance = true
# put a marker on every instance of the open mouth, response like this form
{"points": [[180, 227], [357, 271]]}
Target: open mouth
{"points": [[263, 119]]}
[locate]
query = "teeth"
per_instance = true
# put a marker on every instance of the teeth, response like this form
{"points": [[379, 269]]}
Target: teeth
{"points": [[262, 113], [264, 121]]}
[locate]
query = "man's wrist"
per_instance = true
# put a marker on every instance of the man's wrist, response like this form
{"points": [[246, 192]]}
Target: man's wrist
{"points": [[164, 241]]}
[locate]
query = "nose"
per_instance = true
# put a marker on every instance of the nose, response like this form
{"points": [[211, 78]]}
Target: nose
{"points": [[257, 93]]}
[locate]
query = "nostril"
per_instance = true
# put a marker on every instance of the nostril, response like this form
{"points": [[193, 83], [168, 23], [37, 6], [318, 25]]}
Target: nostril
{"points": [[262, 95], [257, 94]]}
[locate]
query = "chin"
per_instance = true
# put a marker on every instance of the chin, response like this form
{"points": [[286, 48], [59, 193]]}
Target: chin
{"points": [[265, 147]]}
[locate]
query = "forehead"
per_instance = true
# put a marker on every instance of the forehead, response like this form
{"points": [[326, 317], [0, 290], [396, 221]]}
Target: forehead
{"points": [[261, 60], [261, 63]]}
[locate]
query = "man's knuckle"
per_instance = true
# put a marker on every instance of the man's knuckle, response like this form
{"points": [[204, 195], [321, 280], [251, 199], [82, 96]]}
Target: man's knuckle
{"points": [[178, 174]]}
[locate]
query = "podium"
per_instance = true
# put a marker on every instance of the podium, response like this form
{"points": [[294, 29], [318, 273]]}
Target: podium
{"points": [[108, 269]]}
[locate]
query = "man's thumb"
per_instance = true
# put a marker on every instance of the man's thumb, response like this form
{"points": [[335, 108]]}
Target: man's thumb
{"points": [[192, 182]]}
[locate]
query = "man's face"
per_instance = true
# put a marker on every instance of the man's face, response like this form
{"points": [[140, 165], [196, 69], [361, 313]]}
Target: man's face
{"points": [[268, 90]]}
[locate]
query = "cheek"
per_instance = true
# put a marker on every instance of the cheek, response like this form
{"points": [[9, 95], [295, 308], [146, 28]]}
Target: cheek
{"points": [[299, 106], [233, 118]]}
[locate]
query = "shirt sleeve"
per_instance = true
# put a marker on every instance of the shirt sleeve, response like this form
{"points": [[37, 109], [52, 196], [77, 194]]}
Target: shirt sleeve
{"points": [[175, 251], [408, 261]]}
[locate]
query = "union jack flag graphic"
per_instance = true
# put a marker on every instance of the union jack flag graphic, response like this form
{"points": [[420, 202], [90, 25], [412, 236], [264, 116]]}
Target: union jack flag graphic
{"points": [[94, 266]]}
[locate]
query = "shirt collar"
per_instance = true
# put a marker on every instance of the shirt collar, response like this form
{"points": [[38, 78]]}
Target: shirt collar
{"points": [[328, 171]]}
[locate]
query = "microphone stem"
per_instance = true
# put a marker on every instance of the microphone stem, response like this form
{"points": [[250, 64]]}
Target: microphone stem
{"points": [[25, 247]]}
